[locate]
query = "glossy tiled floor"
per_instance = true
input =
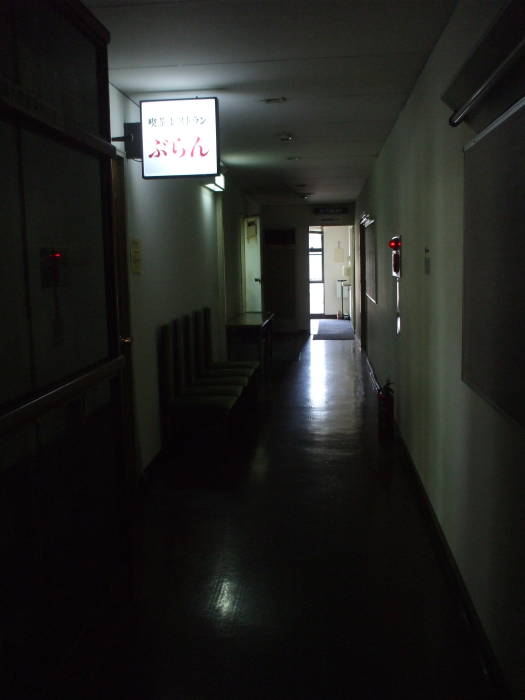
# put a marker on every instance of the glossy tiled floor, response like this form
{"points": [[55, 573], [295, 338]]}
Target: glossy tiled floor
{"points": [[306, 570]]}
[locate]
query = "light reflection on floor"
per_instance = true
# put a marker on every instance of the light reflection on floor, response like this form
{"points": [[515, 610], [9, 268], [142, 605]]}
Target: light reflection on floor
{"points": [[317, 369], [314, 325], [226, 598]]}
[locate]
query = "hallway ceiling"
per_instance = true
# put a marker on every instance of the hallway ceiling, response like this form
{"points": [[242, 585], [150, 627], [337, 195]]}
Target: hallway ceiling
{"points": [[344, 67]]}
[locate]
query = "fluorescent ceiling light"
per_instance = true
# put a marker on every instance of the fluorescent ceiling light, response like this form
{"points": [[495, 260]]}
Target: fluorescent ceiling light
{"points": [[217, 185]]}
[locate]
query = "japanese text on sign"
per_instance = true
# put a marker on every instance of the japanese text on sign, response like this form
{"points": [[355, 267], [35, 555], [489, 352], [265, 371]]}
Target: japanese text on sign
{"points": [[176, 121], [163, 147]]}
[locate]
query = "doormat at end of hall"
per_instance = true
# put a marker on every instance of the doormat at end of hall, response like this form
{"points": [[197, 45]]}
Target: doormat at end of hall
{"points": [[334, 329]]}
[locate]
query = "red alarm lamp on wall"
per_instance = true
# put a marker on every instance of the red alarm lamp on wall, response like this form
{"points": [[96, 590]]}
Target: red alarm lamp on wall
{"points": [[395, 246]]}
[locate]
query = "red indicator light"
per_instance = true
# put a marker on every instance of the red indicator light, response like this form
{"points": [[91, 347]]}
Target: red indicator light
{"points": [[55, 255], [394, 243]]}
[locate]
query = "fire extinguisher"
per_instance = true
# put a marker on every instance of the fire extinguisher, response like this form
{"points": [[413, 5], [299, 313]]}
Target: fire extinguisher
{"points": [[385, 412]]}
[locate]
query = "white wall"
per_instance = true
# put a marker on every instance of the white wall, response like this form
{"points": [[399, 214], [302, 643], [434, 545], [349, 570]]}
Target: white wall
{"points": [[334, 236], [469, 456], [176, 223]]}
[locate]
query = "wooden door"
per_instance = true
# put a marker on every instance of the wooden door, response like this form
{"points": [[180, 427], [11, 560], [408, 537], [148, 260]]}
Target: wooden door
{"points": [[65, 482], [251, 259]]}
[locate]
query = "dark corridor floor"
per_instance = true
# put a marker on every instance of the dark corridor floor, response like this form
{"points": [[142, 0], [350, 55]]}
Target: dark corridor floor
{"points": [[309, 572]]}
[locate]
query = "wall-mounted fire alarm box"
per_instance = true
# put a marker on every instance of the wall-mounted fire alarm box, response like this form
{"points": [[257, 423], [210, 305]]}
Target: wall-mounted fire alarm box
{"points": [[53, 267], [395, 246]]}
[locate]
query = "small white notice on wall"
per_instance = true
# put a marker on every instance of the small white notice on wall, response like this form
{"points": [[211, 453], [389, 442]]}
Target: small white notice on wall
{"points": [[179, 137], [135, 256]]}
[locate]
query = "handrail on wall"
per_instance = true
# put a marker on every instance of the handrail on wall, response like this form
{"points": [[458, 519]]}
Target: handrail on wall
{"points": [[35, 407], [496, 75]]}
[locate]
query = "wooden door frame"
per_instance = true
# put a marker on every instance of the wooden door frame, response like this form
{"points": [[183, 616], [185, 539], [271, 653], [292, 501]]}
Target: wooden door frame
{"points": [[120, 247], [363, 319]]}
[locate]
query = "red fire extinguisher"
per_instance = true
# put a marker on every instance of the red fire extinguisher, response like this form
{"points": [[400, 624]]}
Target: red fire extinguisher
{"points": [[385, 412]]}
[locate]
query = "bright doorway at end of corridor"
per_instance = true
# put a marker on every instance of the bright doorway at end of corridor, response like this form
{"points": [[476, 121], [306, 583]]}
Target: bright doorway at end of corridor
{"points": [[316, 271], [329, 266]]}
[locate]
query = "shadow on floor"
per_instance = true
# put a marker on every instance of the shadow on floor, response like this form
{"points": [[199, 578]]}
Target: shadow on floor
{"points": [[298, 565]]}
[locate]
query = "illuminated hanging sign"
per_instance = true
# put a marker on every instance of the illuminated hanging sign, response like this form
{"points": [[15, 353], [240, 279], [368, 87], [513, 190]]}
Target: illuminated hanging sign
{"points": [[180, 137]]}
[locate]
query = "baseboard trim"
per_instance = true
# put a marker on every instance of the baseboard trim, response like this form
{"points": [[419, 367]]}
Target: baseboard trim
{"points": [[495, 678], [491, 667], [376, 384]]}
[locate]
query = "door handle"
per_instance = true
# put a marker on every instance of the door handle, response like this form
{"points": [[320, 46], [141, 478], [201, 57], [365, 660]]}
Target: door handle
{"points": [[257, 279]]}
